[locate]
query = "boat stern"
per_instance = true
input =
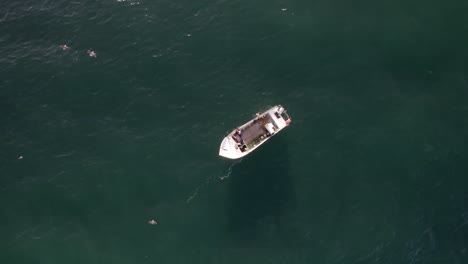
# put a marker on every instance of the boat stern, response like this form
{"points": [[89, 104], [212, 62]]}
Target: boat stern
{"points": [[280, 116]]}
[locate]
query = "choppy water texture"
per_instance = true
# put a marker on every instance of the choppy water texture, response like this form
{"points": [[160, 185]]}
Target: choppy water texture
{"points": [[372, 170]]}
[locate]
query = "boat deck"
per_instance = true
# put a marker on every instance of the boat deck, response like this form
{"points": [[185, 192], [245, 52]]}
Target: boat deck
{"points": [[255, 129]]}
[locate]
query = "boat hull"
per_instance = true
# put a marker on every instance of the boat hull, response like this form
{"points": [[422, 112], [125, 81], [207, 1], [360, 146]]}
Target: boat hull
{"points": [[246, 138]]}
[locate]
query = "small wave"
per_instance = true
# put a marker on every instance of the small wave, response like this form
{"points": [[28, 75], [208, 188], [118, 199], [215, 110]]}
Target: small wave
{"points": [[193, 195], [226, 174], [229, 170]]}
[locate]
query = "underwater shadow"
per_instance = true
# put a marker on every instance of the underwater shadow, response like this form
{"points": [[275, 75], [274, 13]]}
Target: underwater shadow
{"points": [[259, 189]]}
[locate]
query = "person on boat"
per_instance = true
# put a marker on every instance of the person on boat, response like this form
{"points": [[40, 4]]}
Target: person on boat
{"points": [[237, 136], [243, 147]]}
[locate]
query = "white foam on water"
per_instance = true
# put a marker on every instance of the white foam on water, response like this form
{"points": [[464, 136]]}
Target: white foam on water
{"points": [[229, 170], [226, 174]]}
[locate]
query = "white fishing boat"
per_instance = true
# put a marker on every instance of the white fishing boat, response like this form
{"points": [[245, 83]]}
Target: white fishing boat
{"points": [[246, 138]]}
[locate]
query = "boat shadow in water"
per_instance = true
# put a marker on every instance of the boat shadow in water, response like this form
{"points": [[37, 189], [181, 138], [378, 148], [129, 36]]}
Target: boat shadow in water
{"points": [[260, 191]]}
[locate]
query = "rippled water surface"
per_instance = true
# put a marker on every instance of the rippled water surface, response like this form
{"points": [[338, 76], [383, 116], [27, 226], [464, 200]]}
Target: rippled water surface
{"points": [[372, 169]]}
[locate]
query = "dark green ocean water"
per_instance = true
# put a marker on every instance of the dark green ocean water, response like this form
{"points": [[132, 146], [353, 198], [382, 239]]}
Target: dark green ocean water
{"points": [[373, 168]]}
